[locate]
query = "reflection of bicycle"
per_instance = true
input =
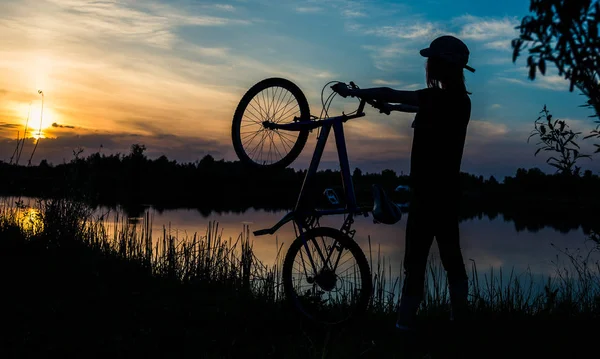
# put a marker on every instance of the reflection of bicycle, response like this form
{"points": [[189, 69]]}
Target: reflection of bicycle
{"points": [[325, 273]]}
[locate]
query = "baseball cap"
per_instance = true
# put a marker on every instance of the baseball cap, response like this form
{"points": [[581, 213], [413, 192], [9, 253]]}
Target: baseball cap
{"points": [[450, 49]]}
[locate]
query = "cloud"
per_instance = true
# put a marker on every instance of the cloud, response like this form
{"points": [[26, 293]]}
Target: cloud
{"points": [[487, 36], [217, 52], [481, 129], [483, 28], [175, 73], [308, 9], [495, 60], [54, 124], [496, 106], [552, 82], [578, 125], [501, 45], [182, 87], [548, 82], [9, 125], [406, 31], [386, 82], [149, 23], [225, 7], [387, 57], [353, 13]]}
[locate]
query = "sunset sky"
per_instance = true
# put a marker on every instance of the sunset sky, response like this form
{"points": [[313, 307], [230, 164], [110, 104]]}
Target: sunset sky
{"points": [[169, 74]]}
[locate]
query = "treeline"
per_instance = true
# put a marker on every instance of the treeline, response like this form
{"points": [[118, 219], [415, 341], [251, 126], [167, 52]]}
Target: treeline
{"points": [[134, 179]]}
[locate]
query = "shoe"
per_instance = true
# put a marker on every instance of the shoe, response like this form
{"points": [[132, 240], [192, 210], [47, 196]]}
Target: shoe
{"points": [[459, 292], [407, 313]]}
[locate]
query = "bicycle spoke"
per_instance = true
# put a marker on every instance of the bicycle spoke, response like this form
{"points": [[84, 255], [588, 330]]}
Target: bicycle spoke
{"points": [[283, 142], [251, 124], [279, 108], [256, 119], [259, 110], [253, 137], [284, 115], [262, 93], [259, 143], [272, 134], [279, 100]]}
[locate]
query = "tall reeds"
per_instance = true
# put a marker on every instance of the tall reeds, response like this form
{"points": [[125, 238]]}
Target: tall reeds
{"points": [[231, 263]]}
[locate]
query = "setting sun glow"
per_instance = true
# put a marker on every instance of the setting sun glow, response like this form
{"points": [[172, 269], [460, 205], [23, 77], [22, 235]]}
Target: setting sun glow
{"points": [[33, 117], [170, 75]]}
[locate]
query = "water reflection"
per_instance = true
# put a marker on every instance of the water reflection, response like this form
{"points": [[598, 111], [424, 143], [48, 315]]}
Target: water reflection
{"points": [[25, 213], [488, 241]]}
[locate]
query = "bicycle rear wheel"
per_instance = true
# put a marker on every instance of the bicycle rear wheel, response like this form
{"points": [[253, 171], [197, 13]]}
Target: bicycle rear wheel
{"points": [[334, 290], [271, 100]]}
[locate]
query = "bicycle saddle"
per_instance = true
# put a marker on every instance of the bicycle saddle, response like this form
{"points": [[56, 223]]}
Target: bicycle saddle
{"points": [[384, 210]]}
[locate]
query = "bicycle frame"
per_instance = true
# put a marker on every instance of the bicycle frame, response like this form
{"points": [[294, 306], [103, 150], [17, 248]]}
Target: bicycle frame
{"points": [[326, 125], [302, 212]]}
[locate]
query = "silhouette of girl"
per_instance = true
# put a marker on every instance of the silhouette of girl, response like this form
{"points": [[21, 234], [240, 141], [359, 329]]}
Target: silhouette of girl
{"points": [[443, 111]]}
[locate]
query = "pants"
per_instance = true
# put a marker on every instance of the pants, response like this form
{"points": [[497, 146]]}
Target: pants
{"points": [[429, 218]]}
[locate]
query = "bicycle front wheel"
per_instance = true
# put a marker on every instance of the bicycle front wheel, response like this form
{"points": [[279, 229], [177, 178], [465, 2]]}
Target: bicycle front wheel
{"points": [[273, 100], [330, 282]]}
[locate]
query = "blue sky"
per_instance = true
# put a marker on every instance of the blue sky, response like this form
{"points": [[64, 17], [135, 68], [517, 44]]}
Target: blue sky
{"points": [[169, 74]]}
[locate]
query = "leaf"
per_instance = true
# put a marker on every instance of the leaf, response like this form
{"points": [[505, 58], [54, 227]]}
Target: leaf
{"points": [[542, 65], [575, 144], [516, 44], [572, 85], [532, 72], [535, 49]]}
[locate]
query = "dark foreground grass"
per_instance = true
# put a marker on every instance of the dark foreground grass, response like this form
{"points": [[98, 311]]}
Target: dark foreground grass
{"points": [[74, 286]]}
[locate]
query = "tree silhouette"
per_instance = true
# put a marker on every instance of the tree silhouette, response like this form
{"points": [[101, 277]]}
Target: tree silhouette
{"points": [[564, 32], [556, 136], [137, 151]]}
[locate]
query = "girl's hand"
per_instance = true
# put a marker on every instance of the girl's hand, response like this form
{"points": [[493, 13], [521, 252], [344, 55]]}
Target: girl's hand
{"points": [[385, 107], [406, 108], [342, 89]]}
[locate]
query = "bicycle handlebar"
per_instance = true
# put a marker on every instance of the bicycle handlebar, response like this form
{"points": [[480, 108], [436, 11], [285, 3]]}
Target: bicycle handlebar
{"points": [[380, 105]]}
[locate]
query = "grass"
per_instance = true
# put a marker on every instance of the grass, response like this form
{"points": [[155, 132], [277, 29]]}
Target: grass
{"points": [[79, 284]]}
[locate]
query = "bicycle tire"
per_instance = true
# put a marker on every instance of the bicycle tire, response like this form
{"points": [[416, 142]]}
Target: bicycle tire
{"points": [[240, 147], [312, 312]]}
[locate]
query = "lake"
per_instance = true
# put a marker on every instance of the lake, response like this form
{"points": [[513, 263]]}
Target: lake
{"points": [[489, 243]]}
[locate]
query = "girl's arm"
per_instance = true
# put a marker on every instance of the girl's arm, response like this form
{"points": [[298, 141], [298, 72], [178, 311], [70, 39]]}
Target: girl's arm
{"points": [[387, 94], [403, 108]]}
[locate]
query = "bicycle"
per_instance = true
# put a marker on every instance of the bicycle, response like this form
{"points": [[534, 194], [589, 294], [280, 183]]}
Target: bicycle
{"points": [[322, 300]]}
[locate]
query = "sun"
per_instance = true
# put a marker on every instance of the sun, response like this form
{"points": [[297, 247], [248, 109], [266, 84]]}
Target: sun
{"points": [[36, 121]]}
